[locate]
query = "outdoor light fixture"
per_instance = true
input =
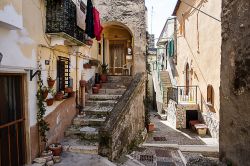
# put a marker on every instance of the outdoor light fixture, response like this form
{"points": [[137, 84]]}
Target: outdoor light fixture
{"points": [[1, 57]]}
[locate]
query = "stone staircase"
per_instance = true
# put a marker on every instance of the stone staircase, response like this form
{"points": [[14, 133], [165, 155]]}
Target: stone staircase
{"points": [[83, 135], [166, 83]]}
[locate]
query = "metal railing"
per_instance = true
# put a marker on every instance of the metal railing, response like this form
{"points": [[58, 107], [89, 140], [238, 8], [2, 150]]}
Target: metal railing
{"points": [[184, 94], [187, 94]]}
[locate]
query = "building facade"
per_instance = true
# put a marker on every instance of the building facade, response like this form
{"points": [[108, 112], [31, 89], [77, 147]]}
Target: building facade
{"points": [[33, 40], [199, 58]]}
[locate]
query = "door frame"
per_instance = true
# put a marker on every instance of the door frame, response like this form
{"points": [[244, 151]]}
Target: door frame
{"points": [[117, 42], [24, 100]]}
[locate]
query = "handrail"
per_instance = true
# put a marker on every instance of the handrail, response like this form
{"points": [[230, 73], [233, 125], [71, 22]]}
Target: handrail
{"points": [[186, 94], [11, 123]]}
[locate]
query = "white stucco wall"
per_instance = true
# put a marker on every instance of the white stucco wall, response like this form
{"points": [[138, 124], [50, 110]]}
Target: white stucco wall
{"points": [[20, 49]]}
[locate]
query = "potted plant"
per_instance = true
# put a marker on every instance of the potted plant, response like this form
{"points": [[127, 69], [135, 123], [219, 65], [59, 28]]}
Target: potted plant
{"points": [[99, 86], [68, 90], [56, 149], [104, 77], [45, 92], [82, 83], [87, 66], [95, 90], [59, 96], [51, 82], [50, 99]]}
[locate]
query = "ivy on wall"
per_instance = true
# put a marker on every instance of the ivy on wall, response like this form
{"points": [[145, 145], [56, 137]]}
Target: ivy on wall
{"points": [[43, 126]]}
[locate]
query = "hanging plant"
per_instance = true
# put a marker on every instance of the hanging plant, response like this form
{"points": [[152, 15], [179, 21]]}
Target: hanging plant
{"points": [[43, 126]]}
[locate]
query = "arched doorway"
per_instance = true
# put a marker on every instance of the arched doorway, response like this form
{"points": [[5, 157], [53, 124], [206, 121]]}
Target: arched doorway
{"points": [[117, 49]]}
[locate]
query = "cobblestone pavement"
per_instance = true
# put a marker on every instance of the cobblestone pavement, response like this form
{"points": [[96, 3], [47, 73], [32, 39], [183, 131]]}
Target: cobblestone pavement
{"points": [[166, 156], [169, 135], [74, 159]]}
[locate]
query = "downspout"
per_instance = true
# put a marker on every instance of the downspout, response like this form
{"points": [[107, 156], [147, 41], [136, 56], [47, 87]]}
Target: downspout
{"points": [[103, 49], [77, 80]]}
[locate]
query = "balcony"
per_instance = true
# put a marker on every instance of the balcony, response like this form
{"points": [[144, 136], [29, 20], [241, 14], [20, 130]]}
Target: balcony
{"points": [[61, 23], [185, 95]]}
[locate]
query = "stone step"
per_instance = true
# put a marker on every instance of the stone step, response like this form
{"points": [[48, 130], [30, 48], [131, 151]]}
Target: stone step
{"points": [[83, 133], [112, 91], [79, 146], [89, 120], [104, 97], [119, 78], [97, 109], [101, 103], [113, 86]]}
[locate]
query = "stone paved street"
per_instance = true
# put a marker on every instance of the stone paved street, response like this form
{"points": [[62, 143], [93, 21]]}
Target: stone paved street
{"points": [[73, 159], [163, 146]]}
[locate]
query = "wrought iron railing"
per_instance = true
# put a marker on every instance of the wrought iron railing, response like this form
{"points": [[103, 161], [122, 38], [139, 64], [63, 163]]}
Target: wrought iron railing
{"points": [[61, 20]]}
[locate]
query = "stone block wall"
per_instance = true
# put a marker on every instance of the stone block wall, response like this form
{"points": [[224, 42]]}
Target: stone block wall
{"points": [[235, 82], [171, 113], [131, 13], [125, 122]]}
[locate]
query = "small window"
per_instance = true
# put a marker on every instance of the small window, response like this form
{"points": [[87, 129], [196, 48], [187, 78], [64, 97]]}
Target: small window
{"points": [[63, 73], [210, 95]]}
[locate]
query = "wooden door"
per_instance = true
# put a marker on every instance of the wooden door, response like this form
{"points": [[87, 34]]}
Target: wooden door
{"points": [[12, 138], [117, 57]]}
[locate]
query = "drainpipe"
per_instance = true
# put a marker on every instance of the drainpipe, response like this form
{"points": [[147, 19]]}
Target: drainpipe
{"points": [[77, 80], [103, 49]]}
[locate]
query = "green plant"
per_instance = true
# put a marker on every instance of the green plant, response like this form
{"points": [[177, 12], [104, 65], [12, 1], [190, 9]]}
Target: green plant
{"points": [[52, 92], [43, 126], [104, 68]]}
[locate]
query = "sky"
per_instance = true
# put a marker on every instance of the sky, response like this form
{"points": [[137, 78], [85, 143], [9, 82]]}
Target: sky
{"points": [[162, 9]]}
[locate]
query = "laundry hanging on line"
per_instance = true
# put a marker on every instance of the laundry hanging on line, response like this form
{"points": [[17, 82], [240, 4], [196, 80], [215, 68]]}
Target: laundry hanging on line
{"points": [[93, 24]]}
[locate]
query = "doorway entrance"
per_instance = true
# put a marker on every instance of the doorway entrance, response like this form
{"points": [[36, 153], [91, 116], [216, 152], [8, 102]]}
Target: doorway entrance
{"points": [[191, 115], [12, 144], [117, 57]]}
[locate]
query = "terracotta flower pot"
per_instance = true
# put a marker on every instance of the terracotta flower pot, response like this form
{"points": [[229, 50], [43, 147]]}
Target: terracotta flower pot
{"points": [[59, 96], [99, 86], [56, 149], [45, 94], [68, 90], [87, 66], [72, 94], [50, 102], [151, 127], [104, 78], [51, 83], [83, 83], [95, 90]]}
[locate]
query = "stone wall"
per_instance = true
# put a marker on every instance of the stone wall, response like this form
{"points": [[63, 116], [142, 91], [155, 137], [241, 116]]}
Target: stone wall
{"points": [[132, 14], [126, 121], [235, 82], [171, 113], [59, 120]]}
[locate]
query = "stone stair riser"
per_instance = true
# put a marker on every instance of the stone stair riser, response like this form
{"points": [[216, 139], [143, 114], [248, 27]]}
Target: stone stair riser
{"points": [[89, 122]]}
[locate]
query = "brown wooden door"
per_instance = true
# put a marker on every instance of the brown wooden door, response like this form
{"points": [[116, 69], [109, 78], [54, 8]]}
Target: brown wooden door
{"points": [[117, 57], [12, 144]]}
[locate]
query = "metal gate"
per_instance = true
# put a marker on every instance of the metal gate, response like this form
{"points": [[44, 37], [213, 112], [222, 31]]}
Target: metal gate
{"points": [[12, 138]]}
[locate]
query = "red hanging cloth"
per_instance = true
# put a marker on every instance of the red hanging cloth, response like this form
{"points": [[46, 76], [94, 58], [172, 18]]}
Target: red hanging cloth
{"points": [[97, 24]]}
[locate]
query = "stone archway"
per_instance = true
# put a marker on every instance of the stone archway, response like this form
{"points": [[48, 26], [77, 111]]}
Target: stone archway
{"points": [[118, 48]]}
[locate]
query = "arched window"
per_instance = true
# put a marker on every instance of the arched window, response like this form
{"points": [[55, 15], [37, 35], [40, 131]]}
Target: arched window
{"points": [[210, 95]]}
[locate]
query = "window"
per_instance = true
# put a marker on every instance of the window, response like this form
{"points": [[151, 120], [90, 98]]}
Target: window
{"points": [[210, 95], [63, 73]]}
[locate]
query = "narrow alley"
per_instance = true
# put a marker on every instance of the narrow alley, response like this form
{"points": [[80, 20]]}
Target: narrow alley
{"points": [[124, 83]]}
